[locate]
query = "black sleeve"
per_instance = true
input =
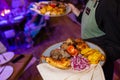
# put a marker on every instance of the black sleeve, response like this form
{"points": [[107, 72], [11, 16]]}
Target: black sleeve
{"points": [[79, 17]]}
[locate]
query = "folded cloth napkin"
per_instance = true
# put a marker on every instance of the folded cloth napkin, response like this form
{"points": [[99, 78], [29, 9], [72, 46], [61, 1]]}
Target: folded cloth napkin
{"points": [[49, 72]]}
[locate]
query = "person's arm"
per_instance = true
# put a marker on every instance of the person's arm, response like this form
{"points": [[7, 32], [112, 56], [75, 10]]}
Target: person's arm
{"points": [[76, 11]]}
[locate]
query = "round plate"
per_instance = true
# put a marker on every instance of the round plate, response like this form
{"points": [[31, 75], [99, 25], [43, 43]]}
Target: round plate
{"points": [[57, 45], [6, 57], [6, 72], [36, 5]]}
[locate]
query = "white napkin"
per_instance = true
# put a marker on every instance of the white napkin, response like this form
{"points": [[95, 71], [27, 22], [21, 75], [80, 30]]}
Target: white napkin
{"points": [[49, 72]]}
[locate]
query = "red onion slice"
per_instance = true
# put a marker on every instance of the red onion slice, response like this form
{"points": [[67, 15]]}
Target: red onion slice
{"points": [[79, 63]]}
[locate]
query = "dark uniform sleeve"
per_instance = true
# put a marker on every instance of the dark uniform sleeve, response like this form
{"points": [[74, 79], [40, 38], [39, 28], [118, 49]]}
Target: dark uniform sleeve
{"points": [[79, 17]]}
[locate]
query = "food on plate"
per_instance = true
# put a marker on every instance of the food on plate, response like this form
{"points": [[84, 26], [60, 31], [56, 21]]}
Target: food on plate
{"points": [[52, 8], [64, 63], [72, 50], [79, 44], [93, 55], [79, 62], [66, 43], [74, 53], [88, 51], [58, 54], [69, 41]]}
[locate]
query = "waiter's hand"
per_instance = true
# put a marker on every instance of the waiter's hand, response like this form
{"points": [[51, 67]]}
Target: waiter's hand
{"points": [[74, 9]]}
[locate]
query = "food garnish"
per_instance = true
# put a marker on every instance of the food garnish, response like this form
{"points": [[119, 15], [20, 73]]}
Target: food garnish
{"points": [[79, 62]]}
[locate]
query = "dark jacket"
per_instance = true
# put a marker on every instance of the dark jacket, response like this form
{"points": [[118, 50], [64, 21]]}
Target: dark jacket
{"points": [[108, 20]]}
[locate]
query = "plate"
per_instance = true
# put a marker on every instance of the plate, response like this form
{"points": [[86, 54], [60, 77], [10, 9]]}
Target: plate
{"points": [[57, 45], [6, 57], [37, 10], [6, 72]]}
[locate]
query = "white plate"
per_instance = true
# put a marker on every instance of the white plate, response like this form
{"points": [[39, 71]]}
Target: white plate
{"points": [[6, 72], [57, 45], [6, 57], [68, 9]]}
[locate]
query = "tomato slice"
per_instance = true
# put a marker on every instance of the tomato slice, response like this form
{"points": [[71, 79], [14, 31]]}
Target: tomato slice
{"points": [[72, 51], [53, 5]]}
